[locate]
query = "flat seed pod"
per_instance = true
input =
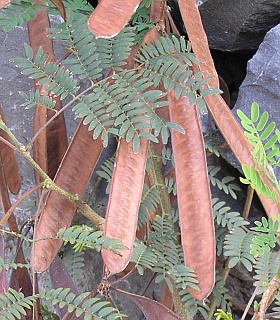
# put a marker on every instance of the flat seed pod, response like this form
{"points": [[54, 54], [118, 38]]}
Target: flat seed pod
{"points": [[3, 3], [125, 193], [124, 201], [224, 119], [60, 6], [50, 146], [3, 277], [19, 278], [151, 309], [73, 176], [60, 278], [9, 162], [193, 194], [197, 36], [111, 16], [155, 10]]}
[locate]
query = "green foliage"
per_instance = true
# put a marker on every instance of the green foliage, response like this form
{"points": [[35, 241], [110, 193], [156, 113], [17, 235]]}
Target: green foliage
{"points": [[17, 13], [77, 8], [57, 79], [167, 155], [13, 265], [164, 256], [170, 184], [81, 304], [144, 257], [225, 184], [169, 263], [149, 202], [265, 241], [13, 304], [82, 236], [226, 218], [221, 315], [237, 248], [35, 98], [276, 307], [195, 307], [47, 314], [160, 64], [220, 292], [140, 20], [265, 267], [265, 139], [74, 262], [212, 145], [107, 172], [125, 103]]}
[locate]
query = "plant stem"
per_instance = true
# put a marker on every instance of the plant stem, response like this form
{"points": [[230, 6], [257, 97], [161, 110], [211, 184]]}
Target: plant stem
{"points": [[89, 213], [156, 178], [213, 305], [179, 307], [268, 296], [249, 198], [259, 285]]}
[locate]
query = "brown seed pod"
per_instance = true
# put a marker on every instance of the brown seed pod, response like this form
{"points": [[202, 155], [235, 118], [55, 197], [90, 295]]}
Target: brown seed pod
{"points": [[3, 3], [51, 144], [124, 201], [198, 39], [111, 16], [9, 162], [193, 195], [73, 176]]}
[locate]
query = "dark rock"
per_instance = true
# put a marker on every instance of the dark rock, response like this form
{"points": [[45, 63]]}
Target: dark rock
{"points": [[262, 81], [238, 25]]}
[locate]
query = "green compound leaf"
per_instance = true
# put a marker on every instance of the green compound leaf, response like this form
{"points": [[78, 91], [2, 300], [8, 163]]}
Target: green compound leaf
{"points": [[237, 248]]}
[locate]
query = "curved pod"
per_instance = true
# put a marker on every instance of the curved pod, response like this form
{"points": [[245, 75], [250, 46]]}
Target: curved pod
{"points": [[111, 16], [73, 175], [124, 200], [9, 162], [199, 42], [224, 119], [51, 144], [193, 194]]}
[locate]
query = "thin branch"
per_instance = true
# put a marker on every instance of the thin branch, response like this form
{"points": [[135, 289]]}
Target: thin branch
{"points": [[9, 144], [248, 203], [58, 112], [213, 305], [18, 201], [259, 285]]}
